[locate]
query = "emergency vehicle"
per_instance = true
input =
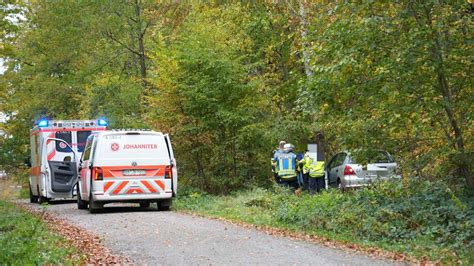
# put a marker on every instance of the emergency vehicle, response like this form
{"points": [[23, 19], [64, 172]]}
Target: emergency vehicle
{"points": [[56, 146], [135, 166]]}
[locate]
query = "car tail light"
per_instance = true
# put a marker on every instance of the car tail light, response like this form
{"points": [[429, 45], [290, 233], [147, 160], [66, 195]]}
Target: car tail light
{"points": [[168, 172], [97, 173], [348, 170]]}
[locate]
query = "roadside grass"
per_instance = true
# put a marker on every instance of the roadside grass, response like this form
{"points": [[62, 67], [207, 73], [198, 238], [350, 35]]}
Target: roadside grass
{"points": [[26, 240], [423, 219]]}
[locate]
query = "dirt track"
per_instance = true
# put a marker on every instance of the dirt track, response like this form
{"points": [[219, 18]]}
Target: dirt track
{"points": [[151, 237]]}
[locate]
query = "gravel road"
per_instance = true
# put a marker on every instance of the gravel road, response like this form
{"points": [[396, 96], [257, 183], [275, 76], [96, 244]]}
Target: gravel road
{"points": [[151, 237]]}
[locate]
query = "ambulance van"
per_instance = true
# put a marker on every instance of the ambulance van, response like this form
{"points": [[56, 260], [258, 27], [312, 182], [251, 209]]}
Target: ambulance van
{"points": [[56, 146], [135, 166]]}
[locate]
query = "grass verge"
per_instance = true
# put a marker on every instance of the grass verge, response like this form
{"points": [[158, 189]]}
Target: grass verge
{"points": [[422, 219], [25, 239]]}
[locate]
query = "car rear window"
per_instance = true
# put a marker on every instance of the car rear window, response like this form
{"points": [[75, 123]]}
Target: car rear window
{"points": [[381, 157], [377, 157], [121, 146], [67, 137], [81, 139]]}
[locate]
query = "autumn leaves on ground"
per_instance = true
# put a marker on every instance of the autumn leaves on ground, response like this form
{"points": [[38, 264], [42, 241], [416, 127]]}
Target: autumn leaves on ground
{"points": [[32, 236]]}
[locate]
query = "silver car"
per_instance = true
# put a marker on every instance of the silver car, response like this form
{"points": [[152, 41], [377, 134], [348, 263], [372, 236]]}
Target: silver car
{"points": [[343, 172]]}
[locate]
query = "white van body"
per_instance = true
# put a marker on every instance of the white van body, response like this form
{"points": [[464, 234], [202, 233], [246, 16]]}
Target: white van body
{"points": [[56, 146], [127, 166]]}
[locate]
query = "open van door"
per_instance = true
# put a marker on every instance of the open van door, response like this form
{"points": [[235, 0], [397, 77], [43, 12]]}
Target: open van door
{"points": [[173, 162], [63, 173]]}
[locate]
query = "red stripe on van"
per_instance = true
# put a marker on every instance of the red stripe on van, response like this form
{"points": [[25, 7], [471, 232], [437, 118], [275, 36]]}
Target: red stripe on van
{"points": [[160, 184], [120, 187], [107, 186], [51, 155], [73, 129], [149, 187], [53, 152]]}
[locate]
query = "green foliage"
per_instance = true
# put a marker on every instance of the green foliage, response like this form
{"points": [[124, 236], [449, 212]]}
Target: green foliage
{"points": [[24, 239], [396, 76], [210, 105], [228, 81], [421, 218]]}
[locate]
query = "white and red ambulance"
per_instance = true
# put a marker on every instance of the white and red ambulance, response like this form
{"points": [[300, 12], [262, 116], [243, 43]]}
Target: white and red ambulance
{"points": [[127, 166], [56, 146]]}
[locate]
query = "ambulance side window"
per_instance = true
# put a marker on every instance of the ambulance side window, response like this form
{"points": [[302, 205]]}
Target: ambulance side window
{"points": [[81, 139], [87, 150], [93, 149], [67, 137]]}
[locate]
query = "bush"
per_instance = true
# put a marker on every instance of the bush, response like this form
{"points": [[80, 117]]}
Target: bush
{"points": [[419, 218]]}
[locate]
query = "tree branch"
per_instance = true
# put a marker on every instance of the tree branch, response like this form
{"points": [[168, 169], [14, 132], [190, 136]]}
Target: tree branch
{"points": [[111, 36]]}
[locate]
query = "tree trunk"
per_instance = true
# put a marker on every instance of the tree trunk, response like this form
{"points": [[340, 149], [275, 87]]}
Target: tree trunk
{"points": [[443, 86], [140, 35], [304, 42]]}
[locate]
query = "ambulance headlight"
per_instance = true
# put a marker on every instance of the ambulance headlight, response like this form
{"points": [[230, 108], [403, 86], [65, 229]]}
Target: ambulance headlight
{"points": [[102, 122], [43, 123]]}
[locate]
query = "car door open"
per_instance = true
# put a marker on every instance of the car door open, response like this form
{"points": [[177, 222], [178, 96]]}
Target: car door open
{"points": [[63, 173]]}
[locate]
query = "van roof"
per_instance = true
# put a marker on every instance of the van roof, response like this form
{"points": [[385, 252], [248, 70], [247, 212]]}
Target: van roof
{"points": [[69, 125], [128, 132]]}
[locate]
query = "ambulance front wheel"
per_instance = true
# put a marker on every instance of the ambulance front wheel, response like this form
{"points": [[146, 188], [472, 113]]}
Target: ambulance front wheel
{"points": [[33, 198], [42, 200]]}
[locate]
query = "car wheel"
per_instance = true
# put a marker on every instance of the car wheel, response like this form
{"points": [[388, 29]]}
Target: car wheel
{"points": [[145, 204], [164, 205], [33, 198], [339, 184], [81, 204], [94, 207]]}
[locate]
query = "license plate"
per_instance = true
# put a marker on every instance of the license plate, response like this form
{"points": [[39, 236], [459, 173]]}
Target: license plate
{"points": [[134, 172]]}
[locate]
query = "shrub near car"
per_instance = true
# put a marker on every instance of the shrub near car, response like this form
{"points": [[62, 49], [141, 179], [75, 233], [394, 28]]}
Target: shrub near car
{"points": [[127, 166], [344, 172]]}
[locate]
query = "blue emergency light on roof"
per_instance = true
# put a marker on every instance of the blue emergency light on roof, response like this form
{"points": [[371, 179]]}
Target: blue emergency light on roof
{"points": [[102, 122], [43, 123]]}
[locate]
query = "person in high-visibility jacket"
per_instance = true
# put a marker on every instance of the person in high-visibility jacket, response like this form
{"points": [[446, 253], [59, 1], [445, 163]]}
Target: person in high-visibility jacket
{"points": [[276, 153], [286, 166], [305, 170], [316, 174]]}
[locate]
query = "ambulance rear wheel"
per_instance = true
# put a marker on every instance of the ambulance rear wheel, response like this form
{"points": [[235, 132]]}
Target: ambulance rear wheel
{"points": [[33, 198], [81, 204], [94, 207], [164, 205]]}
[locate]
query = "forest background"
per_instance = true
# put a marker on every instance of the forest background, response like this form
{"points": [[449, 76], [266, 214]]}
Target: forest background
{"points": [[229, 80]]}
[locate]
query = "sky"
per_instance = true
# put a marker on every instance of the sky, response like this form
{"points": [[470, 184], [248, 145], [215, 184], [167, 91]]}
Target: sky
{"points": [[2, 68]]}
